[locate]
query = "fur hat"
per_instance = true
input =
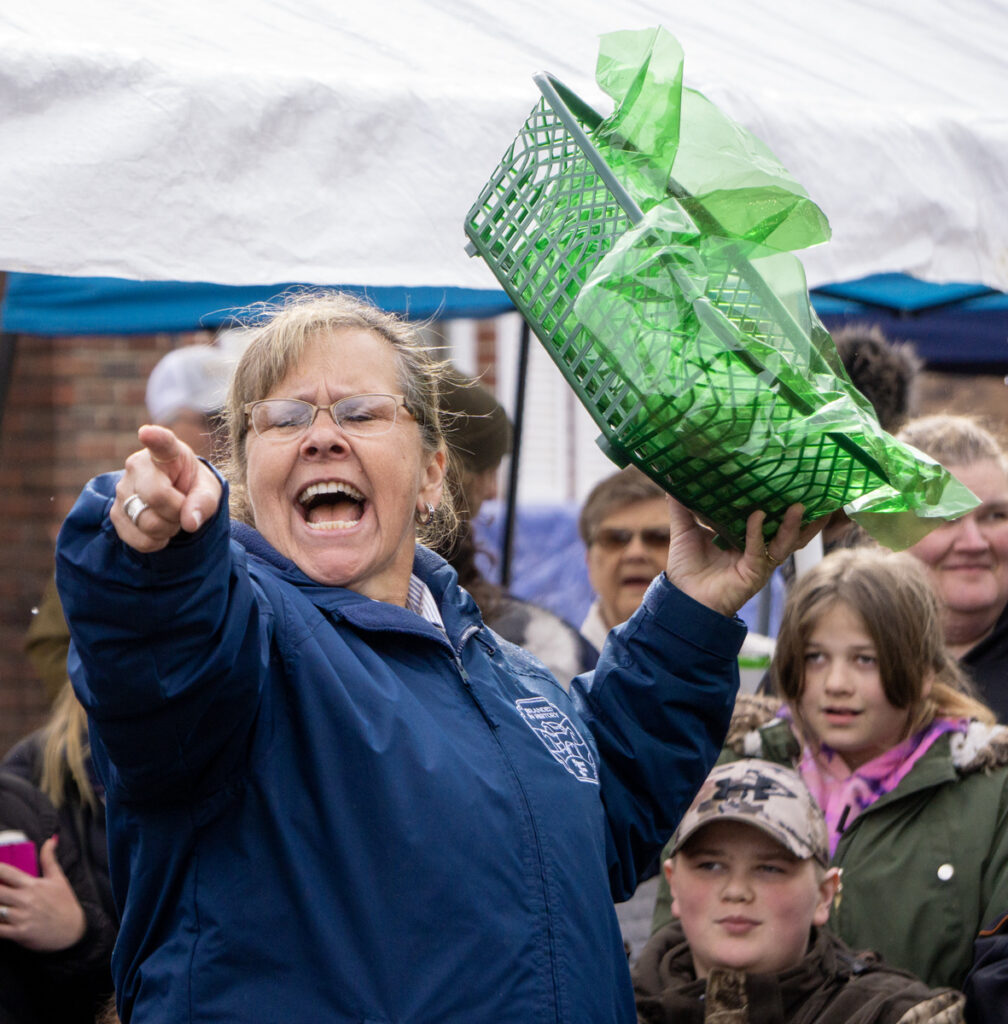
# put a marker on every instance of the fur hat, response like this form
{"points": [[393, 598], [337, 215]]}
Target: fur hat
{"points": [[884, 372]]}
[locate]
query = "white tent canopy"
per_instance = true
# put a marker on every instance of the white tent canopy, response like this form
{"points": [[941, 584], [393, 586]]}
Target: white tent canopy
{"points": [[259, 141]]}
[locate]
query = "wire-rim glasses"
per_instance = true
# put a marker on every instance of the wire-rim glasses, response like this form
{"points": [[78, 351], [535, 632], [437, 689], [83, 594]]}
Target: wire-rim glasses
{"points": [[285, 419]]}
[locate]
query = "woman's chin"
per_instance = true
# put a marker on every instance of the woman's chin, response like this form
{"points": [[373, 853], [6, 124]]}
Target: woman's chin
{"points": [[355, 555], [328, 553], [363, 571], [329, 571]]}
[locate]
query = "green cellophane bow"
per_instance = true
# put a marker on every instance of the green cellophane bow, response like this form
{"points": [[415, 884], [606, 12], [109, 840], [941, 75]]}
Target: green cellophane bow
{"points": [[689, 335]]}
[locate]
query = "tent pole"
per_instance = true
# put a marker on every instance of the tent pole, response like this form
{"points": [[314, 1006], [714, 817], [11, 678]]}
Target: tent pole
{"points": [[511, 506]]}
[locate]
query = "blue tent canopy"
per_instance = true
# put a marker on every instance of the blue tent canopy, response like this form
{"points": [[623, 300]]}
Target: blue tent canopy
{"points": [[952, 326], [48, 305]]}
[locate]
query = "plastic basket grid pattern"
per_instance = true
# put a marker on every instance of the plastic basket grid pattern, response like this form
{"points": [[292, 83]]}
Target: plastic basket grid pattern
{"points": [[543, 223], [794, 470]]}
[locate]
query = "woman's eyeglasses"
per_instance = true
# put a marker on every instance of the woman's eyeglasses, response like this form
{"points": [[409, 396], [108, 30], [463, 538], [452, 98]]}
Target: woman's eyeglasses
{"points": [[284, 419], [612, 538]]}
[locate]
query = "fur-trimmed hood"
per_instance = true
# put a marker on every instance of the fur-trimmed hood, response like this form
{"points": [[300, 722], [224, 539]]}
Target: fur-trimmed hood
{"points": [[751, 712], [981, 748]]}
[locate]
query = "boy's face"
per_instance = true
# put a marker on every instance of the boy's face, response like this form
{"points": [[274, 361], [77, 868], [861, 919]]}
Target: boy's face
{"points": [[745, 902]]}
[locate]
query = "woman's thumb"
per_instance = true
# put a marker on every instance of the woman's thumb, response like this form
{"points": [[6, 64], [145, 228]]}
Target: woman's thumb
{"points": [[47, 858]]}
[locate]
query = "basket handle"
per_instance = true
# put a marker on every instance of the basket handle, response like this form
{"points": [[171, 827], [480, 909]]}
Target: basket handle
{"points": [[569, 108]]}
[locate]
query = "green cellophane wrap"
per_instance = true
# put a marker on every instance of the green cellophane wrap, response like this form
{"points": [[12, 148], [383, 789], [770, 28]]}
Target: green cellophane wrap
{"points": [[651, 254]]}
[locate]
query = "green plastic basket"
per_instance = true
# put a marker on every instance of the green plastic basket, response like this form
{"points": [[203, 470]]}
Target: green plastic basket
{"points": [[550, 214]]}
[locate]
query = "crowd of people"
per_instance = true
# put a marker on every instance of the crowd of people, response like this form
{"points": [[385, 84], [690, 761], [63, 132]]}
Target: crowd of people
{"points": [[305, 761]]}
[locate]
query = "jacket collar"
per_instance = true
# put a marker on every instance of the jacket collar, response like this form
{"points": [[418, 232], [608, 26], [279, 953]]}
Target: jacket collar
{"points": [[666, 986], [756, 731], [458, 610], [594, 629]]}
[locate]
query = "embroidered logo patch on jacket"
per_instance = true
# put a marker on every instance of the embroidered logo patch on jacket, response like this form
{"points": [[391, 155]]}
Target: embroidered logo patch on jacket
{"points": [[560, 737]]}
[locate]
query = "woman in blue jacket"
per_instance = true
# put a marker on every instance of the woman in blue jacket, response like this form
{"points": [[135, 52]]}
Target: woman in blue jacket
{"points": [[332, 793]]}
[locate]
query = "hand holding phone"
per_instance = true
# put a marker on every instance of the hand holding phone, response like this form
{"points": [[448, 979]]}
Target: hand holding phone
{"points": [[18, 850]]}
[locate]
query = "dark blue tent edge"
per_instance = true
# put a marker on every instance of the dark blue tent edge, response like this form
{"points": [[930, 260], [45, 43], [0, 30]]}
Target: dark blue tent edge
{"points": [[51, 305], [952, 326]]}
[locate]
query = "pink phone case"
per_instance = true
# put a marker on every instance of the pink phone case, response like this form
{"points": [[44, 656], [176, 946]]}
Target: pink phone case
{"points": [[20, 855]]}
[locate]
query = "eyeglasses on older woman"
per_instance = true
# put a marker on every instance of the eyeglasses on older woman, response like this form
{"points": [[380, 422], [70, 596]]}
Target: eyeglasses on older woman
{"points": [[284, 419]]}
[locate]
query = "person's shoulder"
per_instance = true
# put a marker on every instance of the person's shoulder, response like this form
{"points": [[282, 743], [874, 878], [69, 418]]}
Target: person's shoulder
{"points": [[664, 965], [16, 790], [25, 807], [867, 990], [992, 650], [543, 633], [543, 623], [885, 996], [25, 757]]}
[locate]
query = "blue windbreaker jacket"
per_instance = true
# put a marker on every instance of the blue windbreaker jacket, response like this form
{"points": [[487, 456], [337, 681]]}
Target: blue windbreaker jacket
{"points": [[322, 808]]}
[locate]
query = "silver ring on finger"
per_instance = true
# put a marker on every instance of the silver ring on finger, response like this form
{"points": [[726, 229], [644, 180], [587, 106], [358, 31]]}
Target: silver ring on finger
{"points": [[4, 914], [134, 506]]}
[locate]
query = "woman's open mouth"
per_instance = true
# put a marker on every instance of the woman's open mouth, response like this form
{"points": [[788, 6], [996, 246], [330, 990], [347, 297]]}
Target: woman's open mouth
{"points": [[331, 505]]}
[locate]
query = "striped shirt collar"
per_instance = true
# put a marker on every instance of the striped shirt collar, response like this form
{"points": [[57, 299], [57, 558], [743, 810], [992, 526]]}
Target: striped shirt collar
{"points": [[419, 599]]}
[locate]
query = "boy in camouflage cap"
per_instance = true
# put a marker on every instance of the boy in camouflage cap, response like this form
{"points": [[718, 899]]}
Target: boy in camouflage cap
{"points": [[751, 894]]}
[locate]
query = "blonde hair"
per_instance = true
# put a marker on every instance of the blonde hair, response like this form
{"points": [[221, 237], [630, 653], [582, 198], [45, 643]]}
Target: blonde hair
{"points": [[893, 597], [65, 751], [276, 348], [954, 440]]}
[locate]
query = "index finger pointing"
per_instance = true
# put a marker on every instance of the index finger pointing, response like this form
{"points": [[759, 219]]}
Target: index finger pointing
{"points": [[162, 444]]}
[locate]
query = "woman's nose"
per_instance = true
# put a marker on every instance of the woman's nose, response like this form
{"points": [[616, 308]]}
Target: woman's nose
{"points": [[323, 436]]}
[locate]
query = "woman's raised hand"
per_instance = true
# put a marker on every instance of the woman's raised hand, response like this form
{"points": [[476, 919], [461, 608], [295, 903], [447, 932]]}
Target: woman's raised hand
{"points": [[164, 488], [725, 579]]}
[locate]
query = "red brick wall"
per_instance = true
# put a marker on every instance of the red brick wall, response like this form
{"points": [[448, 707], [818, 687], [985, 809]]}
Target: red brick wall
{"points": [[72, 411], [984, 396]]}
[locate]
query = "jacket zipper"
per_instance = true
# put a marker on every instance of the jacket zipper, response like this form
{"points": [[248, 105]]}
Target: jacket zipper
{"points": [[467, 683]]}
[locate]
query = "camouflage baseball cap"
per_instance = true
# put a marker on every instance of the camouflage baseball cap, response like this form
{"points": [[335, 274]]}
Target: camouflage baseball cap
{"points": [[768, 797]]}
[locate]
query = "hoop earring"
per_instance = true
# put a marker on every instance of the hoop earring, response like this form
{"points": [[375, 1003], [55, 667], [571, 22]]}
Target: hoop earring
{"points": [[423, 518]]}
